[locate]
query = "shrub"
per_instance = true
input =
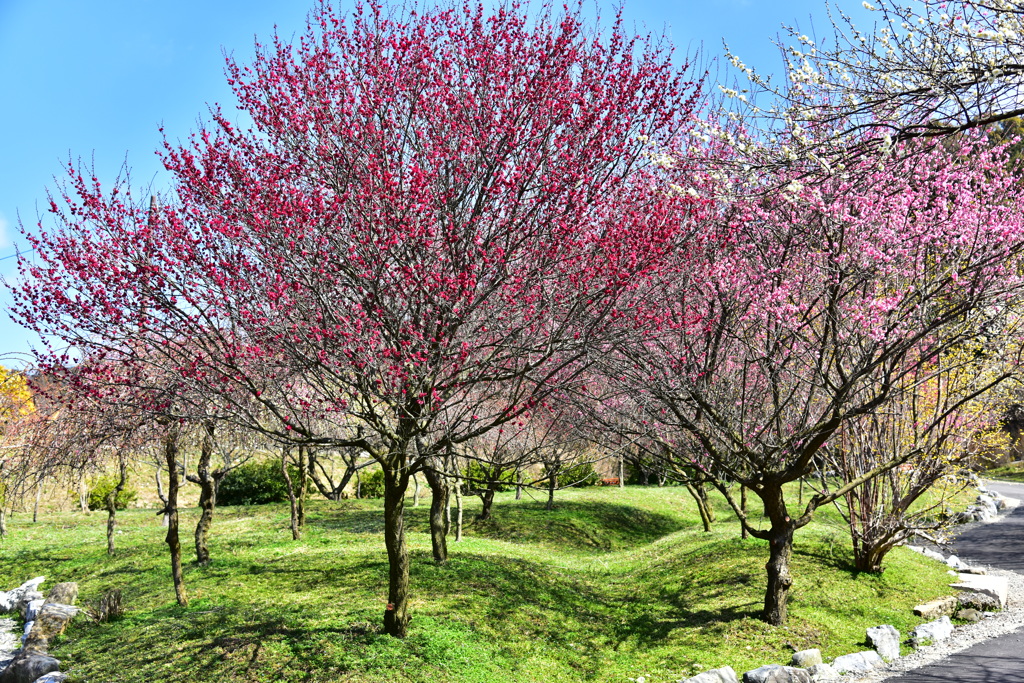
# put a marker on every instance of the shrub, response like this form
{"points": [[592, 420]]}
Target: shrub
{"points": [[108, 608], [255, 483], [582, 474], [372, 484], [476, 477], [100, 488]]}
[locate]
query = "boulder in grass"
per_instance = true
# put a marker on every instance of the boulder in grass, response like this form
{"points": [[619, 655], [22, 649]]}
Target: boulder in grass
{"points": [[932, 632], [776, 673], [805, 659], [937, 608], [859, 662], [886, 641], [723, 675], [53, 619], [28, 667], [969, 614], [65, 593]]}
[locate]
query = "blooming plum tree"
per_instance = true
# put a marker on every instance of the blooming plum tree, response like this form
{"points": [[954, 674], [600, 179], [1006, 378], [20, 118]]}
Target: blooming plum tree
{"points": [[801, 310], [425, 231]]}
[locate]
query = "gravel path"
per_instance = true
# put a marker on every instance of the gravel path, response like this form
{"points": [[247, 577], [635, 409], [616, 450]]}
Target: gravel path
{"points": [[1002, 542]]}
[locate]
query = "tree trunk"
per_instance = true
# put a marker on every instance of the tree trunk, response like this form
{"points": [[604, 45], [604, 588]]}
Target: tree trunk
{"points": [[396, 614], [327, 488], [292, 499], [701, 507], [458, 511], [3, 521], [160, 494], [39, 495], [207, 495], [552, 485], [173, 541], [743, 508], [439, 494], [415, 491], [303, 487], [486, 498], [83, 493], [780, 548], [519, 484], [111, 502], [622, 470]]}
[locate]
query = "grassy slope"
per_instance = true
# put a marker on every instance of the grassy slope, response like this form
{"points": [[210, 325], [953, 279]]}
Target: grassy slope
{"points": [[612, 584], [1006, 473]]}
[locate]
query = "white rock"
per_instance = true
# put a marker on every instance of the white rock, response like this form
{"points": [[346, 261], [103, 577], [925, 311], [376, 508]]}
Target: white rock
{"points": [[52, 677], [723, 675], [954, 562], [886, 641], [776, 673], [805, 659], [859, 662], [31, 609], [934, 631], [928, 552], [994, 586], [822, 672]]}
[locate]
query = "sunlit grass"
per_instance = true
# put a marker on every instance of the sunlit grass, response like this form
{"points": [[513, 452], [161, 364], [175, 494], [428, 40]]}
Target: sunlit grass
{"points": [[613, 583]]}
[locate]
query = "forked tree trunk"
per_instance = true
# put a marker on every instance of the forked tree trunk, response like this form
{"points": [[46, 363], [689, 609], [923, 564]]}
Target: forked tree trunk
{"points": [[207, 495], [702, 506], [171, 509], [396, 613], [439, 496], [486, 499], [111, 503]]}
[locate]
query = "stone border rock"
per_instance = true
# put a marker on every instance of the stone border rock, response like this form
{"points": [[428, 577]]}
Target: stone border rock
{"points": [[45, 619]]}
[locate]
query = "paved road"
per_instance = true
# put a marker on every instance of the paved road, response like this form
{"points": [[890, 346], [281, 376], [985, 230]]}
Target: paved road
{"points": [[1000, 660]]}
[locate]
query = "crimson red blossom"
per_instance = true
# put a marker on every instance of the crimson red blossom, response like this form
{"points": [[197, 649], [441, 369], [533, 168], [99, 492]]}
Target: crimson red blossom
{"points": [[429, 226]]}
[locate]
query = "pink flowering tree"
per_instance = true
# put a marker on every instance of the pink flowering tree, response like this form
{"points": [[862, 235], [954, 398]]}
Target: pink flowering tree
{"points": [[803, 309], [426, 230]]}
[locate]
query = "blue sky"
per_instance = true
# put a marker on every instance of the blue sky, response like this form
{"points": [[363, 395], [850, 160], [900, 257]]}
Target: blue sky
{"points": [[95, 81]]}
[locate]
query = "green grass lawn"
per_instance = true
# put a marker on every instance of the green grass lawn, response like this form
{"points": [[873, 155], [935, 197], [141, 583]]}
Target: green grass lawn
{"points": [[1006, 473], [612, 584]]}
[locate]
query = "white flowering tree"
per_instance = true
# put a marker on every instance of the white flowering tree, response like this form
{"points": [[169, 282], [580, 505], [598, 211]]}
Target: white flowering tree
{"points": [[926, 70]]}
